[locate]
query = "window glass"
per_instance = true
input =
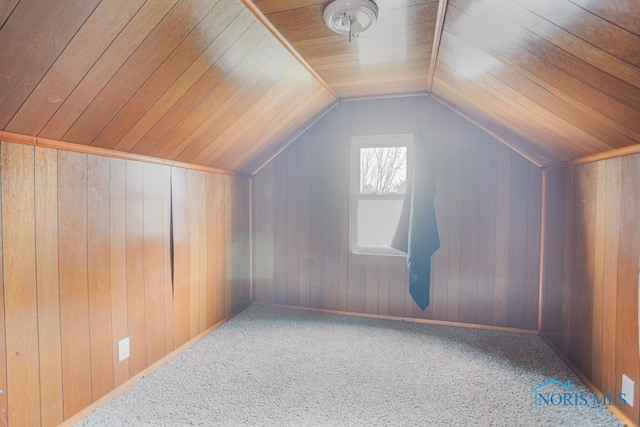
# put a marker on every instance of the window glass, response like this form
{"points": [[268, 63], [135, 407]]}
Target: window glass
{"points": [[379, 181], [383, 170]]}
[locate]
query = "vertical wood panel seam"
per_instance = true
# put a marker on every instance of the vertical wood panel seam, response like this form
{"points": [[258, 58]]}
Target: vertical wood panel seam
{"points": [[59, 280], [543, 226], [4, 308], [86, 248], [250, 236], [113, 374], [35, 277], [495, 230], [144, 275], [615, 314], [171, 238], [526, 248], [126, 258], [481, 148], [506, 305]]}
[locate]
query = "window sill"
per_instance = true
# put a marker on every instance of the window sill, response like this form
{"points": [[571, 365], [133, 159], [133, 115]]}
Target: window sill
{"points": [[381, 252]]}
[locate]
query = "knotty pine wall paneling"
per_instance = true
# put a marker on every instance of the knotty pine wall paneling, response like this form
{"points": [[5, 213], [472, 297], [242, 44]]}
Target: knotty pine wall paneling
{"points": [[488, 206], [591, 270], [87, 261]]}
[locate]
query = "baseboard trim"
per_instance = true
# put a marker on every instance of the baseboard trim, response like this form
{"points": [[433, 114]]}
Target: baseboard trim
{"points": [[614, 409], [151, 368], [403, 319]]}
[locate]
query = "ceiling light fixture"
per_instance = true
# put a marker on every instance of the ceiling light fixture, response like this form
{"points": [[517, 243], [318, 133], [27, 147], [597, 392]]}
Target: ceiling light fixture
{"points": [[350, 17]]}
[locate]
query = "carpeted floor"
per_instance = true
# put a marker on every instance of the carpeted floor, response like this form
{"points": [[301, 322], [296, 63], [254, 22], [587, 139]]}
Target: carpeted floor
{"points": [[278, 367]]}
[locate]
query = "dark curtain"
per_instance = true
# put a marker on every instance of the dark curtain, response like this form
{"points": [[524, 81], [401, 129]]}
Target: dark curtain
{"points": [[417, 231]]}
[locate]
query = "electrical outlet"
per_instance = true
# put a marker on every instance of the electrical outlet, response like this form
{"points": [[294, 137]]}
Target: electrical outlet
{"points": [[628, 388], [123, 349]]}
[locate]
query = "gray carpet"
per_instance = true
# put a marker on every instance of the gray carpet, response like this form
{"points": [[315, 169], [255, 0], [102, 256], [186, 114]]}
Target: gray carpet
{"points": [[278, 367]]}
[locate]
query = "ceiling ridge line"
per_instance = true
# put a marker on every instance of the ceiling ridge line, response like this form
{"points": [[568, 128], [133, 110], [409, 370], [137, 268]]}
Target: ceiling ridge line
{"points": [[249, 4], [435, 48]]}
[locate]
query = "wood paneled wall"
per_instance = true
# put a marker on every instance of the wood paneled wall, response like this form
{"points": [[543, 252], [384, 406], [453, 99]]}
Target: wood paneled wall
{"points": [[488, 207], [591, 269], [96, 249]]}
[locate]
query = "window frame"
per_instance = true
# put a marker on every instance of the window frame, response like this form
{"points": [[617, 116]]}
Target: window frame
{"points": [[372, 141]]}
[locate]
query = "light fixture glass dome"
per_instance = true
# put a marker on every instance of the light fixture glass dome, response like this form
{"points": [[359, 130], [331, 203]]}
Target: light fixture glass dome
{"points": [[350, 16]]}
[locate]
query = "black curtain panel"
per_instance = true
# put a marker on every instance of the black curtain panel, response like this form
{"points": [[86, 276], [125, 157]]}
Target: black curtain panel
{"points": [[417, 231]]}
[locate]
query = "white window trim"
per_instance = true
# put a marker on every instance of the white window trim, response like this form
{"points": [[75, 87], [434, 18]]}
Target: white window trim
{"points": [[357, 143]]}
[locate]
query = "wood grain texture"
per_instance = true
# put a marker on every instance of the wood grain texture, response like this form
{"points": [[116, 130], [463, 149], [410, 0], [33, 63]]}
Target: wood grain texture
{"points": [[112, 59], [135, 75], [591, 314], [222, 233], [181, 269], [193, 182], [152, 52], [212, 282], [79, 56], [167, 253], [564, 72], [20, 293], [46, 222], [155, 233], [226, 262], [3, 340], [99, 275], [484, 272], [118, 258], [74, 289], [383, 59], [22, 66], [135, 266], [87, 262], [230, 83]]}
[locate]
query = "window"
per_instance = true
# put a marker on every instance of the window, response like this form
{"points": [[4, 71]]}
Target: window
{"points": [[378, 183]]}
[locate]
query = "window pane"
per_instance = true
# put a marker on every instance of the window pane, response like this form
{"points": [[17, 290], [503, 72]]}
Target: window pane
{"points": [[377, 221], [383, 170]]}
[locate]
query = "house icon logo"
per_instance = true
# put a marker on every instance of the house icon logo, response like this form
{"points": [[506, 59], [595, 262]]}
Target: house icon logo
{"points": [[539, 397]]}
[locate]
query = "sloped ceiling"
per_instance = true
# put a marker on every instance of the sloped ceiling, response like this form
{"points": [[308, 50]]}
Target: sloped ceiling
{"points": [[228, 83], [557, 79], [197, 81]]}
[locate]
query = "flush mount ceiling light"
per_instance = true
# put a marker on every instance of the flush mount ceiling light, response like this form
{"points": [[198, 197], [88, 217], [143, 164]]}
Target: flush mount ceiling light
{"points": [[350, 17]]}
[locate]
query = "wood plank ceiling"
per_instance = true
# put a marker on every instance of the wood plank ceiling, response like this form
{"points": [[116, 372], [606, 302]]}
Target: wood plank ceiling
{"points": [[557, 79], [198, 81], [228, 83]]}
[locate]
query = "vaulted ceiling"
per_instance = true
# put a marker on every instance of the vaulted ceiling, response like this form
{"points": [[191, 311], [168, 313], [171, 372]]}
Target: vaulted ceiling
{"points": [[229, 83]]}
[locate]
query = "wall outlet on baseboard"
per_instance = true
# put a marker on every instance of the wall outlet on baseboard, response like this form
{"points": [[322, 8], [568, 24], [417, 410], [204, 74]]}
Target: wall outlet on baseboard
{"points": [[123, 349], [628, 388]]}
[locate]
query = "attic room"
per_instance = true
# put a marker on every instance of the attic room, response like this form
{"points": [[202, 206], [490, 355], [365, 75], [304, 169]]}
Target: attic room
{"points": [[166, 164]]}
